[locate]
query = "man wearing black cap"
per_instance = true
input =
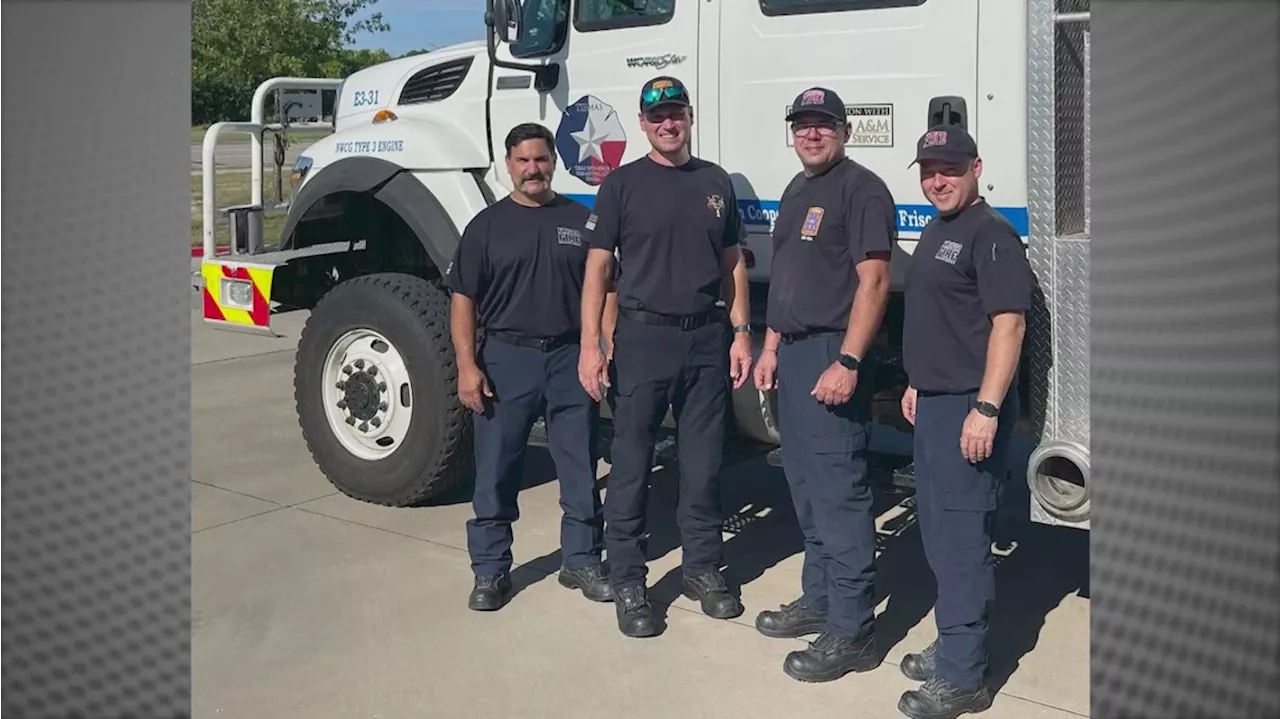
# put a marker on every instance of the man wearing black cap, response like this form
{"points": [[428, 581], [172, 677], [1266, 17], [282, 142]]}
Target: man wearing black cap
{"points": [[967, 291], [674, 221], [828, 287]]}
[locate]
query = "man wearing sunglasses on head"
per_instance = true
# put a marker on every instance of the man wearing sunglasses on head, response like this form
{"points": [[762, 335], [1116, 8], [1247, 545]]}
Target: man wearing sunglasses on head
{"points": [[829, 283], [674, 222]]}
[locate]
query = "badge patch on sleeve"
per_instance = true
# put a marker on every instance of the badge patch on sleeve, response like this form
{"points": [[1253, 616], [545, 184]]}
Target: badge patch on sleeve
{"points": [[812, 221]]}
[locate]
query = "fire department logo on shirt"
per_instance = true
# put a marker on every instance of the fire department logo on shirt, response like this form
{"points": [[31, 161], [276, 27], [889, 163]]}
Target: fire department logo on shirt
{"points": [[949, 252], [568, 236], [812, 221], [716, 204]]}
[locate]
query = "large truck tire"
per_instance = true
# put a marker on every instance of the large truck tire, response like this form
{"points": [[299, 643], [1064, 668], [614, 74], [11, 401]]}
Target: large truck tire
{"points": [[375, 387]]}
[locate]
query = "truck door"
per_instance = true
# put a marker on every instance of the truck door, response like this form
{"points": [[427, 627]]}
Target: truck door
{"points": [[885, 58], [607, 49]]}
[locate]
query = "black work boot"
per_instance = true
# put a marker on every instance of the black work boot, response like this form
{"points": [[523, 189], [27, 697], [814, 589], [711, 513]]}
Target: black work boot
{"points": [[791, 621], [635, 614], [939, 699], [490, 593], [592, 580], [920, 665], [830, 657], [709, 589]]}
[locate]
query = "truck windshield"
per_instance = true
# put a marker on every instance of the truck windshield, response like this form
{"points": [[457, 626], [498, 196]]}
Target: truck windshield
{"points": [[545, 24]]}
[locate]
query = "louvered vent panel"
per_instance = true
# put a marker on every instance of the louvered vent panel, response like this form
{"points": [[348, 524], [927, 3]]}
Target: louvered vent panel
{"points": [[435, 83]]}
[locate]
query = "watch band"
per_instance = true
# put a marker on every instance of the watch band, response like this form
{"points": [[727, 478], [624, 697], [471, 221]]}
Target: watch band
{"points": [[848, 361], [986, 409], [740, 329]]}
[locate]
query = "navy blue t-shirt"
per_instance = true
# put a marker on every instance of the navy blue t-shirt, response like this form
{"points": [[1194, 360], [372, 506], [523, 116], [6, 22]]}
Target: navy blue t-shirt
{"points": [[669, 227], [524, 267], [826, 225], [965, 268]]}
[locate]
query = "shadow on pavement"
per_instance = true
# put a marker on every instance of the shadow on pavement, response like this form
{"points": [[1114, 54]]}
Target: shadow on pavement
{"points": [[1037, 566]]}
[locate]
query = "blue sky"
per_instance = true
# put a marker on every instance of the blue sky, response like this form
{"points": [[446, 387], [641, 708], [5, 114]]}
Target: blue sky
{"points": [[423, 23]]}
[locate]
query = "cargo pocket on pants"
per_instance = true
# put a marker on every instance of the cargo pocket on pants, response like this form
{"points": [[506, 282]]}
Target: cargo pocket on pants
{"points": [[967, 521]]}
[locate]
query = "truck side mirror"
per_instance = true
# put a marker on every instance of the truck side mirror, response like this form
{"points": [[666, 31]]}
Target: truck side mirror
{"points": [[949, 110], [506, 17]]}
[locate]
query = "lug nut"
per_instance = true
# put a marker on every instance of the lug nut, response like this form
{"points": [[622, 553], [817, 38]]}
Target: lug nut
{"points": [[364, 426], [375, 422], [382, 406], [359, 364], [351, 421], [341, 385], [373, 371], [342, 404], [347, 369], [382, 386]]}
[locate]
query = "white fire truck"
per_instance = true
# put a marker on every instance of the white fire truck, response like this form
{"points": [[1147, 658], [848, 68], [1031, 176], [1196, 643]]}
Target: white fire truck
{"points": [[378, 206]]}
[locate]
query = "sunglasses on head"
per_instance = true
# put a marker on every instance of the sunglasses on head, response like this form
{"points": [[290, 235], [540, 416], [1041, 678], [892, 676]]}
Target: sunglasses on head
{"points": [[670, 92]]}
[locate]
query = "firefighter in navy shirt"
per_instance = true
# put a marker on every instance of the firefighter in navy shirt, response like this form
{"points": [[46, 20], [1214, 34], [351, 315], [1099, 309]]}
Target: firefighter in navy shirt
{"points": [[674, 221], [517, 275], [968, 288], [827, 294]]}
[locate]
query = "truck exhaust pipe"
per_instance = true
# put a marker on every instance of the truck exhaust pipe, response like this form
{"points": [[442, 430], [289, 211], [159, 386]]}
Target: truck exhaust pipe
{"points": [[1058, 474]]}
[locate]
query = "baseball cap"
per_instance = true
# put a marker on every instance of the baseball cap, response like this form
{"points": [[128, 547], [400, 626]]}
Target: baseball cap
{"points": [[663, 90], [818, 99], [946, 143]]}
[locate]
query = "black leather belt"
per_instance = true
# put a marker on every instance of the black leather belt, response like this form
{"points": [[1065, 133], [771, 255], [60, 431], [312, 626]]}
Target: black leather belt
{"points": [[546, 344], [684, 322], [789, 337]]}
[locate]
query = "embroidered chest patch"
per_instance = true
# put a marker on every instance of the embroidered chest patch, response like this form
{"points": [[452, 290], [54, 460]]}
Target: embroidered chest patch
{"points": [[812, 221]]}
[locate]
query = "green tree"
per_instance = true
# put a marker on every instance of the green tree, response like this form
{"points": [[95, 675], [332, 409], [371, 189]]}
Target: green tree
{"points": [[236, 44]]}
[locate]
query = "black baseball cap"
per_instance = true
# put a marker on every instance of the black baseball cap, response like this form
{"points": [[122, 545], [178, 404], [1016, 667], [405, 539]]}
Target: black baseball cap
{"points": [[820, 100], [663, 90], [946, 143]]}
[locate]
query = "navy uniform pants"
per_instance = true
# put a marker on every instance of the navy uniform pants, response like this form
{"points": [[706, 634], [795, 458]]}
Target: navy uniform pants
{"points": [[824, 460], [526, 382], [686, 368], [956, 505]]}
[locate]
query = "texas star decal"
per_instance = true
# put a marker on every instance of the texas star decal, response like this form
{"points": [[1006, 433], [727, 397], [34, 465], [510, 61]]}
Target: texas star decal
{"points": [[590, 139]]}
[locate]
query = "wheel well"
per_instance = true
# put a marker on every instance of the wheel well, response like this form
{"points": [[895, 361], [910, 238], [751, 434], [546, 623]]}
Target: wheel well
{"points": [[380, 241]]}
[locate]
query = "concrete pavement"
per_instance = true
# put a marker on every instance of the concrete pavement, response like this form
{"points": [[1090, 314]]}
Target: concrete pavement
{"points": [[310, 604]]}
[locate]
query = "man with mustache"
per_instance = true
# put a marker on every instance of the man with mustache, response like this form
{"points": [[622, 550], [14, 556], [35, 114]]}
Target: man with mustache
{"points": [[829, 284], [517, 275], [968, 288], [674, 221]]}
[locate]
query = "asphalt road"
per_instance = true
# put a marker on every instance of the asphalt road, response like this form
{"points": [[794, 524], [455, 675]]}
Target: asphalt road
{"points": [[233, 155]]}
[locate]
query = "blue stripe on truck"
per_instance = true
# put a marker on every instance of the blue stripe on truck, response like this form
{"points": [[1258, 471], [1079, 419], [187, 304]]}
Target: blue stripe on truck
{"points": [[911, 218]]}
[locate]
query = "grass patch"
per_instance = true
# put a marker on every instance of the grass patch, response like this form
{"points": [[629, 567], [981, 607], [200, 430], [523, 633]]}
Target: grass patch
{"points": [[232, 187]]}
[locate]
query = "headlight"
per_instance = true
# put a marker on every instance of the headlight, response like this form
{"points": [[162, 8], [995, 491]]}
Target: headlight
{"points": [[237, 293]]}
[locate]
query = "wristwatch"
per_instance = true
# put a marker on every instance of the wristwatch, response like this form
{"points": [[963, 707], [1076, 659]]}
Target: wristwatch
{"points": [[986, 409], [741, 329], [849, 362]]}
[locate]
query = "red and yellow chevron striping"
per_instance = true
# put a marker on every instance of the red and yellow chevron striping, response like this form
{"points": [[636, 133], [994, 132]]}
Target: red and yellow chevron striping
{"points": [[254, 312]]}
